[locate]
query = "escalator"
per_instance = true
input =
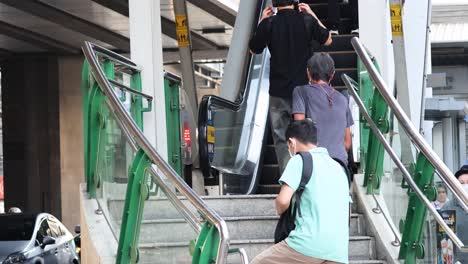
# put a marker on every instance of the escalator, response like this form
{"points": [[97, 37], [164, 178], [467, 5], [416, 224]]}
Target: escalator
{"points": [[235, 145]]}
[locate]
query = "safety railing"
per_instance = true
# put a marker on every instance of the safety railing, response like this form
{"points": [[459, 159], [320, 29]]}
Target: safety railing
{"points": [[124, 162], [403, 187]]}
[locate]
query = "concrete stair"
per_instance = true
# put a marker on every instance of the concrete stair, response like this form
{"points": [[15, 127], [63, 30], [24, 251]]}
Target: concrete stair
{"points": [[251, 221]]}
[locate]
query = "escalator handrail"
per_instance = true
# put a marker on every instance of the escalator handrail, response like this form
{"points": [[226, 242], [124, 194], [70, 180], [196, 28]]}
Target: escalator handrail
{"points": [[205, 104], [207, 213], [442, 169]]}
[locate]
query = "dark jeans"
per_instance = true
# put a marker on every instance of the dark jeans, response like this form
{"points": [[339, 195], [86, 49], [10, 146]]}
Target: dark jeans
{"points": [[334, 14], [280, 116]]}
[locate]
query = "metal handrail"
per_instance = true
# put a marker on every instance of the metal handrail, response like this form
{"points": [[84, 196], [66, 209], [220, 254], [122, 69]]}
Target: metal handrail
{"points": [[445, 173], [119, 110], [406, 175]]}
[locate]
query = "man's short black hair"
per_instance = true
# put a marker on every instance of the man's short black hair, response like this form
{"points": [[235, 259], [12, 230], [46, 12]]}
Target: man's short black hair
{"points": [[303, 130], [461, 171], [321, 67], [277, 3]]}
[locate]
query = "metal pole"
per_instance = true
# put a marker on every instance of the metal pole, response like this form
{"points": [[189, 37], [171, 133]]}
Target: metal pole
{"points": [[426, 49], [401, 73], [185, 51]]}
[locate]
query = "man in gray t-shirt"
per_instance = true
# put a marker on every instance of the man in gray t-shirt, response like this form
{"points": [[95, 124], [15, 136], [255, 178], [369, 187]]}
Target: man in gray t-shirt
{"points": [[328, 108]]}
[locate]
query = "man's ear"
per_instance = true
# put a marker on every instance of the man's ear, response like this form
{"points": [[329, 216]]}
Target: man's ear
{"points": [[331, 77], [309, 75]]}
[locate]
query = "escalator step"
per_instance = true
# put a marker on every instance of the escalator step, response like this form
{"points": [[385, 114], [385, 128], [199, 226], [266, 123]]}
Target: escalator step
{"points": [[321, 9], [344, 59], [268, 188], [340, 43], [269, 155], [270, 174], [337, 81]]}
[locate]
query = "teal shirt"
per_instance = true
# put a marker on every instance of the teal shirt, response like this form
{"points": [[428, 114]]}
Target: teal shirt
{"points": [[323, 230]]}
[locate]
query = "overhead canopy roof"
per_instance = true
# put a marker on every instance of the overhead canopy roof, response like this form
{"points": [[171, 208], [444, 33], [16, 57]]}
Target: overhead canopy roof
{"points": [[61, 26], [449, 23]]}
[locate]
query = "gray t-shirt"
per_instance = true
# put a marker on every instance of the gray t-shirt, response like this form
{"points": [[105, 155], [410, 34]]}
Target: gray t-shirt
{"points": [[329, 110]]}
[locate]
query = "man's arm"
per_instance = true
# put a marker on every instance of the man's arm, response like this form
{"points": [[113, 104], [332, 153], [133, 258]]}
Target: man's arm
{"points": [[347, 139], [305, 8], [259, 40], [283, 200], [299, 116]]}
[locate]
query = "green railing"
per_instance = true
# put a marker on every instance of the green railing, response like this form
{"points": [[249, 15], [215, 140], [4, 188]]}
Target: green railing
{"points": [[406, 192], [132, 183]]}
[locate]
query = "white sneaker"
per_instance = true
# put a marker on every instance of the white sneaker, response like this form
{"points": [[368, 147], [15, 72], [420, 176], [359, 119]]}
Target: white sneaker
{"points": [[355, 31], [334, 32]]}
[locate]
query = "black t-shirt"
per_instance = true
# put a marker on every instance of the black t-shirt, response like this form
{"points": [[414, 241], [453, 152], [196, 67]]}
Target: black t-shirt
{"points": [[288, 36]]}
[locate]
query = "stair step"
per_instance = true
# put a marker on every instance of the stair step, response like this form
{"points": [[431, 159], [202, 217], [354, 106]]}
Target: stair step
{"points": [[252, 228], [225, 206], [360, 248]]}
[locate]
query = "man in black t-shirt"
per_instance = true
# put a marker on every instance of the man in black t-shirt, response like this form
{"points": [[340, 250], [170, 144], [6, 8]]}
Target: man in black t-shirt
{"points": [[288, 36]]}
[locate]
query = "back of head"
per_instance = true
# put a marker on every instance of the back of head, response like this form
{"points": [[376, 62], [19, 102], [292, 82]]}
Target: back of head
{"points": [[321, 67], [304, 131]]}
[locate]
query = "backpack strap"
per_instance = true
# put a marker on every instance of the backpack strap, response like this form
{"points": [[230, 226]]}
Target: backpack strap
{"points": [[307, 168], [346, 169]]}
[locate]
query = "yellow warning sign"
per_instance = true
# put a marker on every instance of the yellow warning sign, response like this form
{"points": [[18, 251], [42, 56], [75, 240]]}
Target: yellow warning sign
{"points": [[396, 21], [182, 31], [210, 134], [181, 21]]}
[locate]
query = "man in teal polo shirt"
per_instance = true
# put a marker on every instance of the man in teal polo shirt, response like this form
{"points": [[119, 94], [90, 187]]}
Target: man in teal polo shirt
{"points": [[322, 233]]}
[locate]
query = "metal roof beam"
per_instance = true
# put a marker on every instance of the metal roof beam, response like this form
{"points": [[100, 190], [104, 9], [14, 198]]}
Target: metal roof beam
{"points": [[70, 21], [168, 27], [36, 39], [6, 53], [172, 55], [215, 10]]}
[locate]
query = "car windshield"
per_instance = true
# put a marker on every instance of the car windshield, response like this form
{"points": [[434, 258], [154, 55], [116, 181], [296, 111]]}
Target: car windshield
{"points": [[16, 227]]}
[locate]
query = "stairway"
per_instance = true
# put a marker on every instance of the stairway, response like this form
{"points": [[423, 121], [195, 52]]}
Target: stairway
{"points": [[165, 236]]}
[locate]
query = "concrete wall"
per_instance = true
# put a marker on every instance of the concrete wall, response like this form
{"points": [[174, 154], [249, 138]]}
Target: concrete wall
{"points": [[43, 135], [31, 133], [71, 138]]}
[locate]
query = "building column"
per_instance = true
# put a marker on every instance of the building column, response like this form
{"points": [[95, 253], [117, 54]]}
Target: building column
{"points": [[146, 51]]}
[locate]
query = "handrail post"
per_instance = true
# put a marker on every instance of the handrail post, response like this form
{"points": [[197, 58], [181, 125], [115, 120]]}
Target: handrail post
{"points": [[136, 195], [412, 245], [374, 154]]}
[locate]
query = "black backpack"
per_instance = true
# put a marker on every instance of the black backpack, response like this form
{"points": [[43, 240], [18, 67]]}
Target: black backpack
{"points": [[286, 222]]}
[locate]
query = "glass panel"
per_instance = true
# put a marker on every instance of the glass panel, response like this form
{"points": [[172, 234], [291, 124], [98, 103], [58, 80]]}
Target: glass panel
{"points": [[165, 234], [438, 247], [115, 157]]}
